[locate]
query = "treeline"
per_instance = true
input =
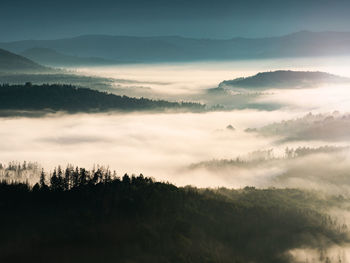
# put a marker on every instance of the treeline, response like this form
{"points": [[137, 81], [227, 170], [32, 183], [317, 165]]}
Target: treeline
{"points": [[72, 178], [75, 215], [75, 99]]}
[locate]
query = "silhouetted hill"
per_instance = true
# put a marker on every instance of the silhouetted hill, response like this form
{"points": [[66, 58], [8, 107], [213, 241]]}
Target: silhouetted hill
{"points": [[174, 48], [51, 57], [73, 99], [92, 216], [10, 62], [284, 79]]}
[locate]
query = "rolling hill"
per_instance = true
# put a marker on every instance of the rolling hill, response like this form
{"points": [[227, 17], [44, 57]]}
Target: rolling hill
{"points": [[10, 62], [50, 57], [283, 79]]}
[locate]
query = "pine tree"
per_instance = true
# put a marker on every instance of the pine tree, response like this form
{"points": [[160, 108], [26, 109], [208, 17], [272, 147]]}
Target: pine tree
{"points": [[67, 179], [42, 179], [54, 184]]}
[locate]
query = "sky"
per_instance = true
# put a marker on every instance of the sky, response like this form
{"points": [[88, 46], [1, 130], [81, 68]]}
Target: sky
{"points": [[39, 19]]}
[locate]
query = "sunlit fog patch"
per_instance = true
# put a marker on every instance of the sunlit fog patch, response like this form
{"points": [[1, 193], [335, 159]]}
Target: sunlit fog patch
{"points": [[322, 99], [333, 254], [157, 145]]}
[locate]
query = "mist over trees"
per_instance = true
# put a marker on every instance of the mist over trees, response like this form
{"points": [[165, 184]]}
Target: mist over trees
{"points": [[261, 156], [20, 172], [324, 169], [333, 126]]}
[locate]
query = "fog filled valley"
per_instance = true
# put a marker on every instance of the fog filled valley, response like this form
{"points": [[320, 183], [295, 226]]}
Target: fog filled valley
{"points": [[163, 141], [208, 161]]}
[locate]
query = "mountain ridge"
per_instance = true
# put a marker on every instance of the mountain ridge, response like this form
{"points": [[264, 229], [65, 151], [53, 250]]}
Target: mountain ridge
{"points": [[13, 62], [51, 57], [177, 48]]}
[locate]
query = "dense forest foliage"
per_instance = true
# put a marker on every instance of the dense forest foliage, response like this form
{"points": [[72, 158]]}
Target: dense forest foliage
{"points": [[74, 99], [76, 215]]}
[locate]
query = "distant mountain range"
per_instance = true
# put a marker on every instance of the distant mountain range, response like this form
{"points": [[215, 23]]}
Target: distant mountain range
{"points": [[100, 48], [282, 79], [50, 57], [11, 62]]}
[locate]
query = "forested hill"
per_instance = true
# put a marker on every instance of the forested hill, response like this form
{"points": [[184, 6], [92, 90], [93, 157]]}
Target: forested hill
{"points": [[92, 216], [284, 79], [74, 99], [11, 62]]}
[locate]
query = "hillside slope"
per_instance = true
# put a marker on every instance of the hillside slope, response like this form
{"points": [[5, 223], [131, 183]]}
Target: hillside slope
{"points": [[51, 57], [284, 79], [10, 62]]}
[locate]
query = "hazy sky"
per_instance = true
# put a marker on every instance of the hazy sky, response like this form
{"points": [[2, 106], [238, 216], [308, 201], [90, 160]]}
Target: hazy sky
{"points": [[39, 19]]}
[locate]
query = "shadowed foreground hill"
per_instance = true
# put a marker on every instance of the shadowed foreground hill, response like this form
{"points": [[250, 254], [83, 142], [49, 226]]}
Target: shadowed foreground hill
{"points": [[11, 62], [73, 99], [92, 216]]}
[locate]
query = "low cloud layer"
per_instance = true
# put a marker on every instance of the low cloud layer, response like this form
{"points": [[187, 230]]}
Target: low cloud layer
{"points": [[162, 145], [325, 169], [154, 144]]}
